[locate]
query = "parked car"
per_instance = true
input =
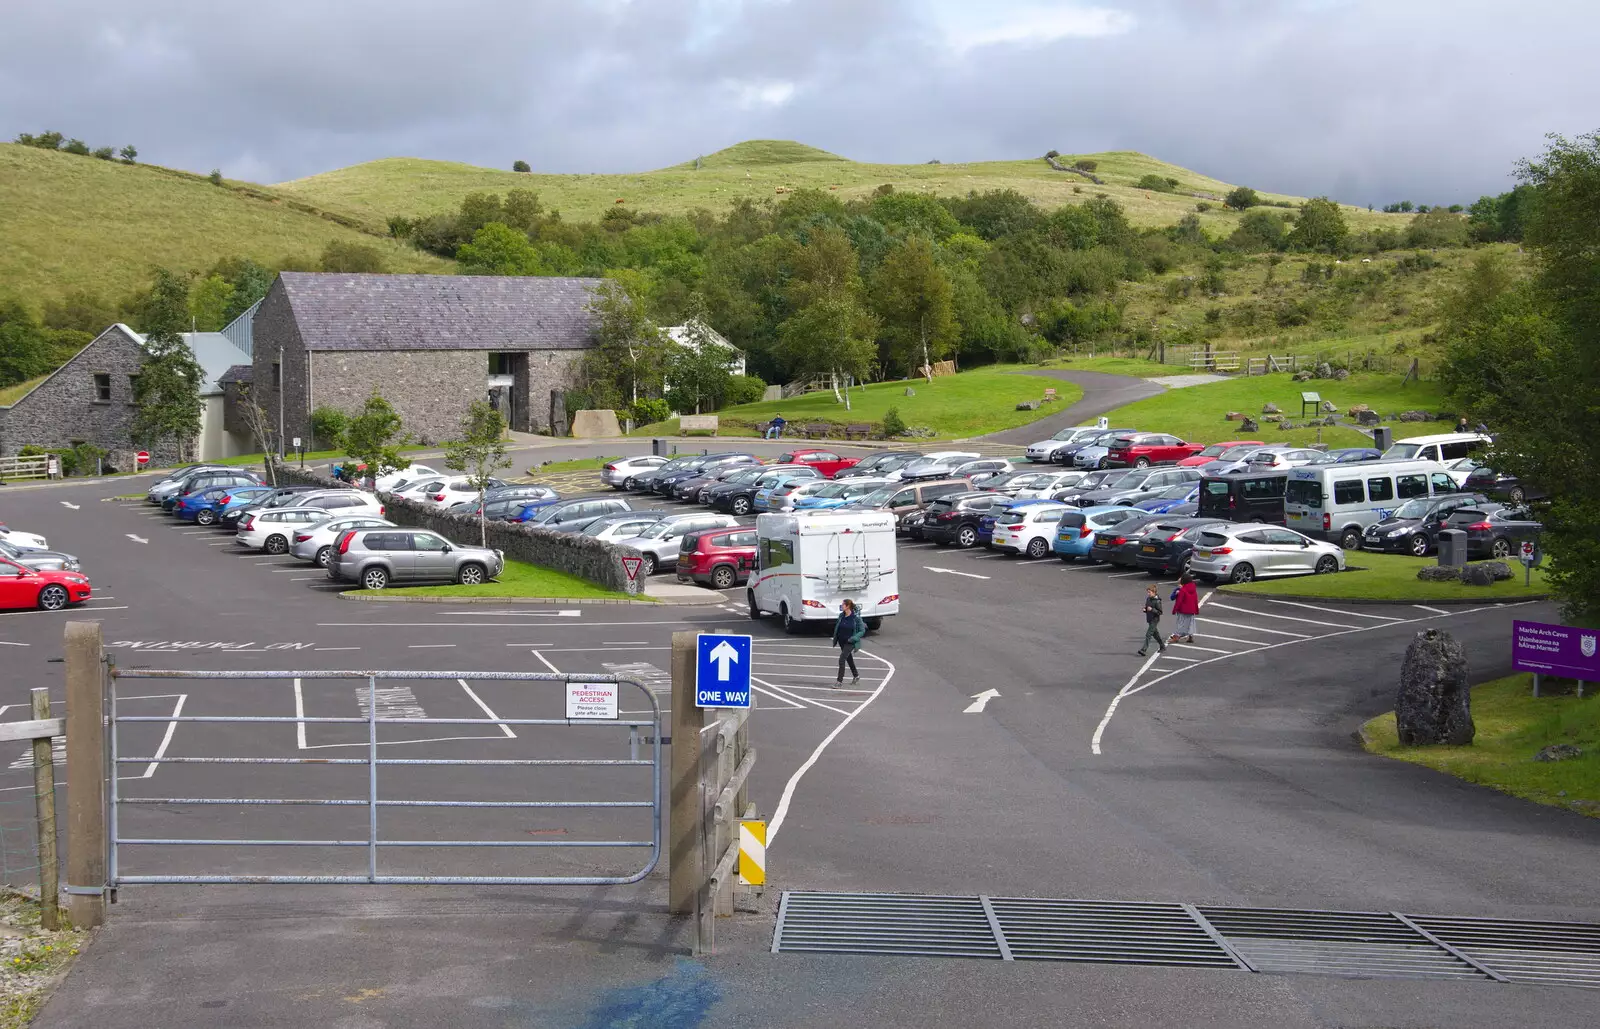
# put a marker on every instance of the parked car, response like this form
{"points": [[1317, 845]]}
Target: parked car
{"points": [[315, 541], [1164, 552], [738, 495], [500, 505], [911, 526], [23, 540], [1091, 481], [827, 463], [376, 558], [172, 483], [271, 531], [579, 509], [390, 481], [659, 543], [1282, 457], [1076, 530], [1348, 455], [1241, 553], [642, 480], [615, 473], [1118, 545], [1244, 496], [1044, 483], [784, 498], [48, 589], [901, 498], [199, 482], [986, 524], [1101, 438], [208, 506], [1501, 486], [1135, 485], [621, 525], [1093, 454], [719, 558], [1414, 526], [953, 519], [1443, 447], [1027, 528], [984, 469], [767, 486], [1047, 451], [940, 464], [340, 502], [664, 482], [837, 493], [52, 560], [1339, 501], [1143, 449], [880, 465], [1494, 531], [1215, 452], [281, 496], [1162, 501], [1234, 459]]}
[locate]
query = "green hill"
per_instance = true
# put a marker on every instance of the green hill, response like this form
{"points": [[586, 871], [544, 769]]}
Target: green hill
{"points": [[76, 223]]}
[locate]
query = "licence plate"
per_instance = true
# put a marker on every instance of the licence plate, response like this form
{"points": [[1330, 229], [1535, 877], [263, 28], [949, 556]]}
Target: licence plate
{"points": [[1148, 549], [1203, 553]]}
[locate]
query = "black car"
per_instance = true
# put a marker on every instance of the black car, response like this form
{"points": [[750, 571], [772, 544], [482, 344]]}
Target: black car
{"points": [[1067, 453], [1139, 484], [1119, 545], [1494, 531], [1164, 552], [739, 498], [1102, 479], [879, 464], [1414, 526], [954, 519], [1348, 455], [643, 481], [283, 496], [1501, 486], [664, 483]]}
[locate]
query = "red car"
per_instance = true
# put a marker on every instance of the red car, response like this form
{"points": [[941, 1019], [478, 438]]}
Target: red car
{"points": [[1143, 449], [1216, 450], [23, 587], [719, 558], [826, 462]]}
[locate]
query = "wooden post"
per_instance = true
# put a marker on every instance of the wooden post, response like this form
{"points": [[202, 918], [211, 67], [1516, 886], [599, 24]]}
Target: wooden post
{"points": [[44, 799], [686, 866], [86, 774]]}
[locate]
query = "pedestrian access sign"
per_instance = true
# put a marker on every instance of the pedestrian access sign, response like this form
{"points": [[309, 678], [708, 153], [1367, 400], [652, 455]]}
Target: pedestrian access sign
{"points": [[722, 670]]}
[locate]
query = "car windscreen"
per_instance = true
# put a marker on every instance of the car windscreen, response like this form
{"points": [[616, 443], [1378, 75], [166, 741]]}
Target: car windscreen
{"points": [[828, 492], [1212, 451], [1412, 509], [1072, 520], [1238, 453], [1402, 452], [1306, 492]]}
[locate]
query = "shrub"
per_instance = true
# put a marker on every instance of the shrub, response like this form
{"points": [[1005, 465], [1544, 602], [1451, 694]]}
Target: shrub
{"points": [[1077, 189], [1158, 183], [649, 410], [1085, 165], [1202, 207], [520, 166], [744, 389], [339, 256], [105, 153], [1052, 153], [1242, 197], [328, 425], [77, 146], [893, 424], [215, 176], [129, 154]]}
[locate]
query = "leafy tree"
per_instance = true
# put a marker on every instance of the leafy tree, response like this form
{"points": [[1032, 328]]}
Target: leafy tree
{"points": [[209, 300], [1320, 226], [831, 335], [80, 310], [522, 209], [915, 212], [996, 213], [498, 249], [77, 146], [1437, 227], [328, 426], [520, 166], [105, 153], [48, 140], [1499, 219], [1241, 198], [339, 256], [167, 390], [479, 451], [215, 177], [744, 389], [1158, 183], [1259, 231], [478, 210], [374, 437], [698, 371], [129, 154], [1084, 164], [250, 283], [630, 354], [911, 295]]}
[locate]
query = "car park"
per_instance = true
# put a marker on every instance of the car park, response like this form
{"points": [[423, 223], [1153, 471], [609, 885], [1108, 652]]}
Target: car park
{"points": [[377, 558], [1413, 527], [1265, 458], [390, 481], [271, 531], [983, 469], [664, 482], [1348, 455], [1162, 501], [880, 465], [208, 506], [901, 498], [839, 493], [742, 482], [1027, 528], [952, 520], [719, 558], [938, 465], [621, 525], [1501, 486], [1243, 553], [1443, 447], [1047, 451], [827, 463], [1243, 496], [1168, 553], [809, 563], [1118, 545], [615, 473], [767, 488], [1133, 485], [315, 541], [1143, 449], [641, 480], [1076, 530], [1494, 531], [1101, 438], [198, 482], [1339, 501], [46, 589], [577, 509], [23, 540], [1215, 452], [52, 560], [660, 542], [698, 488], [739, 497]]}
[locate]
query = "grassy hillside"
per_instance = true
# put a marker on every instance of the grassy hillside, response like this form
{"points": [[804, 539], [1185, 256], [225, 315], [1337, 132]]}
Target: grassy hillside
{"points": [[75, 223], [758, 170]]}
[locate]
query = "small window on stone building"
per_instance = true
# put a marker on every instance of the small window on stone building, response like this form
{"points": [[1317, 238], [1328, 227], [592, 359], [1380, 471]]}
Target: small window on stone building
{"points": [[277, 375], [102, 387]]}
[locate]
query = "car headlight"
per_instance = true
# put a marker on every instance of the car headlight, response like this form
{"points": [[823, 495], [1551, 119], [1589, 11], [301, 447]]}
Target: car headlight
{"points": [[1397, 532]]}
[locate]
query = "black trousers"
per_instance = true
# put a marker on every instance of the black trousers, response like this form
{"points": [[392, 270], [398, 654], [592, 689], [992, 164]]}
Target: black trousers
{"points": [[847, 655]]}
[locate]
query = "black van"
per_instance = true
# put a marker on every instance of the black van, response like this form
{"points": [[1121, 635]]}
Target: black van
{"points": [[1247, 496]]}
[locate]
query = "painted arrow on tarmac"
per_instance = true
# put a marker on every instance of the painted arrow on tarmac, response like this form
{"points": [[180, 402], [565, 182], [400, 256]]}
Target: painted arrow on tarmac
{"points": [[952, 571], [137, 539], [66, 503], [979, 701]]}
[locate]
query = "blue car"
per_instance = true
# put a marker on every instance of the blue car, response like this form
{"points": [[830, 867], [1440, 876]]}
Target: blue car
{"points": [[840, 493], [986, 523], [1075, 535], [236, 497], [204, 507], [1169, 498], [1345, 455]]}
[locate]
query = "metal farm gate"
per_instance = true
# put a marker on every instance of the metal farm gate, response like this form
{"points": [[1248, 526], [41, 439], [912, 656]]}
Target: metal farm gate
{"points": [[584, 774]]}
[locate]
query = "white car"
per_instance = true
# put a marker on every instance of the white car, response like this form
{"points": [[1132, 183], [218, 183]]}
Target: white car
{"points": [[452, 491], [1045, 484], [272, 531], [1029, 531], [343, 503], [614, 528], [1045, 449], [313, 542], [615, 473], [410, 473], [1242, 553], [23, 540]]}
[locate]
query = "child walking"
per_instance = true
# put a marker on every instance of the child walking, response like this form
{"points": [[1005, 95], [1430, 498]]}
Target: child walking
{"points": [[1185, 605], [1152, 620]]}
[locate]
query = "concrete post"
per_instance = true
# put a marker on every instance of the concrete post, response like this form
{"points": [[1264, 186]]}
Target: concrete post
{"points": [[86, 773], [44, 798], [686, 865]]}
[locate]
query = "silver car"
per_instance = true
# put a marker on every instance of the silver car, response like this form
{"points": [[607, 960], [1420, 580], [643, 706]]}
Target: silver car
{"points": [[376, 558], [315, 542], [1242, 553], [659, 543], [1045, 449], [615, 473], [49, 560], [1282, 457]]}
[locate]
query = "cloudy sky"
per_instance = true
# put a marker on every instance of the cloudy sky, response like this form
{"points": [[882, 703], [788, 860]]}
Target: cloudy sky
{"points": [[1364, 100]]}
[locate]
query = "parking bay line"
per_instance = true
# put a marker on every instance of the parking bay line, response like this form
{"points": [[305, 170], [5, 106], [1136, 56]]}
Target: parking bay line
{"points": [[1287, 618], [427, 646], [512, 625], [1342, 614], [1214, 650], [1255, 628]]}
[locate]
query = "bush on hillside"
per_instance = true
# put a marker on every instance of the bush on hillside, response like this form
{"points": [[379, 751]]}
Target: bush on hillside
{"points": [[1437, 228], [352, 257], [744, 389], [1083, 164], [105, 153], [520, 166], [649, 410], [328, 425], [893, 424], [1241, 198], [1052, 154], [1202, 207], [215, 176], [1157, 183]]}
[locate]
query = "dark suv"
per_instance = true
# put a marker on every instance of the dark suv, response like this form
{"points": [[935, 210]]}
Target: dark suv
{"points": [[719, 558], [1414, 526], [954, 519]]}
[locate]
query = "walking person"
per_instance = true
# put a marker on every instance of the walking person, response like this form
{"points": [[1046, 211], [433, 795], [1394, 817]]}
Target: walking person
{"points": [[1152, 621], [1185, 605], [847, 633]]}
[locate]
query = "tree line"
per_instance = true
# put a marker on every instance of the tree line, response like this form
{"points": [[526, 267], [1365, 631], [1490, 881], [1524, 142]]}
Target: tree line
{"points": [[53, 140]]}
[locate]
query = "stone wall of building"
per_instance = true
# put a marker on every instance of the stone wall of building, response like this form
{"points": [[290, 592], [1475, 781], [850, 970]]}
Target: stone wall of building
{"points": [[429, 389], [276, 339], [549, 370]]}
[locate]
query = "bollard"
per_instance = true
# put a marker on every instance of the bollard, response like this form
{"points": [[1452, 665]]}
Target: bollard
{"points": [[86, 775]]}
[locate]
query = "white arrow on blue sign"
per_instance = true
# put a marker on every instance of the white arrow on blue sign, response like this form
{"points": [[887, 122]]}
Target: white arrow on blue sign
{"points": [[722, 670]]}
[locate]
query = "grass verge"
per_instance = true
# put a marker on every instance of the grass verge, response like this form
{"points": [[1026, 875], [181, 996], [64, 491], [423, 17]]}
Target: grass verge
{"points": [[1394, 577], [293, 460], [953, 406], [582, 464], [1137, 367], [32, 959], [519, 579], [11, 394], [1513, 726]]}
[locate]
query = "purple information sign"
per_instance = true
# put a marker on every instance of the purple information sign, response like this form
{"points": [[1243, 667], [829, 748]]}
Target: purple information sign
{"points": [[1556, 650]]}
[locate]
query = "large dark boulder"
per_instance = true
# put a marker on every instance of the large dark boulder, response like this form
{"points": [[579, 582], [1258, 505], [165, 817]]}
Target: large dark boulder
{"points": [[1434, 704], [1478, 575], [1438, 573]]}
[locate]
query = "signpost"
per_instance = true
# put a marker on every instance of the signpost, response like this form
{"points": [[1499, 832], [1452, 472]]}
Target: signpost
{"points": [[1530, 557], [592, 700], [1545, 649], [142, 458], [631, 565], [722, 670]]}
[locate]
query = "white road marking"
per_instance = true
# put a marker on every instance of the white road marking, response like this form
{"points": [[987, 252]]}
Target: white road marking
{"points": [[1287, 618], [166, 741], [1231, 639], [1213, 650], [136, 539], [308, 578], [1341, 614], [1124, 575], [479, 701], [676, 623], [69, 505], [980, 701], [623, 643], [799, 696], [1100, 729], [219, 543], [1255, 628], [546, 661], [942, 571], [519, 614], [8, 643], [788, 704], [428, 646], [1433, 609], [335, 648], [1174, 657]]}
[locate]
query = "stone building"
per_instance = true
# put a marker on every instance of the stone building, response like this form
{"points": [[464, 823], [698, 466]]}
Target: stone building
{"points": [[430, 344], [90, 400]]}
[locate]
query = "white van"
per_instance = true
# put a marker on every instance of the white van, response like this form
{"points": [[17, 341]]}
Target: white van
{"points": [[1446, 448], [1337, 502], [809, 562]]}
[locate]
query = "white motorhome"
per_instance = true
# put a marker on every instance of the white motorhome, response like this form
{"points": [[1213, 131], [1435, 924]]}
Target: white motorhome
{"points": [[809, 562], [1337, 502]]}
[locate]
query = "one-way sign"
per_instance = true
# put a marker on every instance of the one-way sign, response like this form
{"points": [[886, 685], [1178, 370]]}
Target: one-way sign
{"points": [[722, 671]]}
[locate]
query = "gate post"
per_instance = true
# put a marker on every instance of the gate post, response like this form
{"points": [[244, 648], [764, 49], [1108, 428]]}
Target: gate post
{"points": [[686, 866], [86, 774]]}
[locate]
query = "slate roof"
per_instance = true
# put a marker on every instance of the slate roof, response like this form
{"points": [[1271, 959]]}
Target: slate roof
{"points": [[238, 373], [338, 311], [215, 353]]}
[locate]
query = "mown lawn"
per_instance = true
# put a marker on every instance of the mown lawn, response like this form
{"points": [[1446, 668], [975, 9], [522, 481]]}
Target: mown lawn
{"points": [[954, 406], [293, 459], [582, 464], [11, 394], [1196, 412], [1137, 367], [519, 579], [1393, 577], [1513, 726]]}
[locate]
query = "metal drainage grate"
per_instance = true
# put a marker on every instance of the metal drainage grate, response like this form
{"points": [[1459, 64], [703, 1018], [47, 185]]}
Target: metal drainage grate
{"points": [[1360, 944]]}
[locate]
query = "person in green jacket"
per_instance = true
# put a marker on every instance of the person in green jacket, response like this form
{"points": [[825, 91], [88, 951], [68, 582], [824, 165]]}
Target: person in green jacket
{"points": [[847, 633]]}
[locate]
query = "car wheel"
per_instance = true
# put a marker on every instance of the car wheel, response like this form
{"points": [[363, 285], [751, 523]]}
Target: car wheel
{"points": [[1143, 462], [741, 505], [649, 566], [1350, 539], [874, 623], [790, 625], [374, 579], [322, 556], [1183, 566], [472, 575], [1418, 545], [276, 544], [1500, 548], [967, 536], [1517, 495], [755, 611], [205, 516], [1243, 573], [1327, 564], [723, 577], [53, 598], [1037, 548]]}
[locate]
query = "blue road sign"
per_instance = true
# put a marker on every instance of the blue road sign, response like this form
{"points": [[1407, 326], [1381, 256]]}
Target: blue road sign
{"points": [[722, 671]]}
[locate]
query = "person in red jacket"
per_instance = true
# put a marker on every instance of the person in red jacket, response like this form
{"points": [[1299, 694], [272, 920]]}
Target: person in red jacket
{"points": [[1185, 605]]}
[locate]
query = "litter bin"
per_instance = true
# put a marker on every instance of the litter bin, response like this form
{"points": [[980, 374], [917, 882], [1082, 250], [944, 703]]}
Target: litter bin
{"points": [[1452, 548], [1383, 437], [655, 448]]}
